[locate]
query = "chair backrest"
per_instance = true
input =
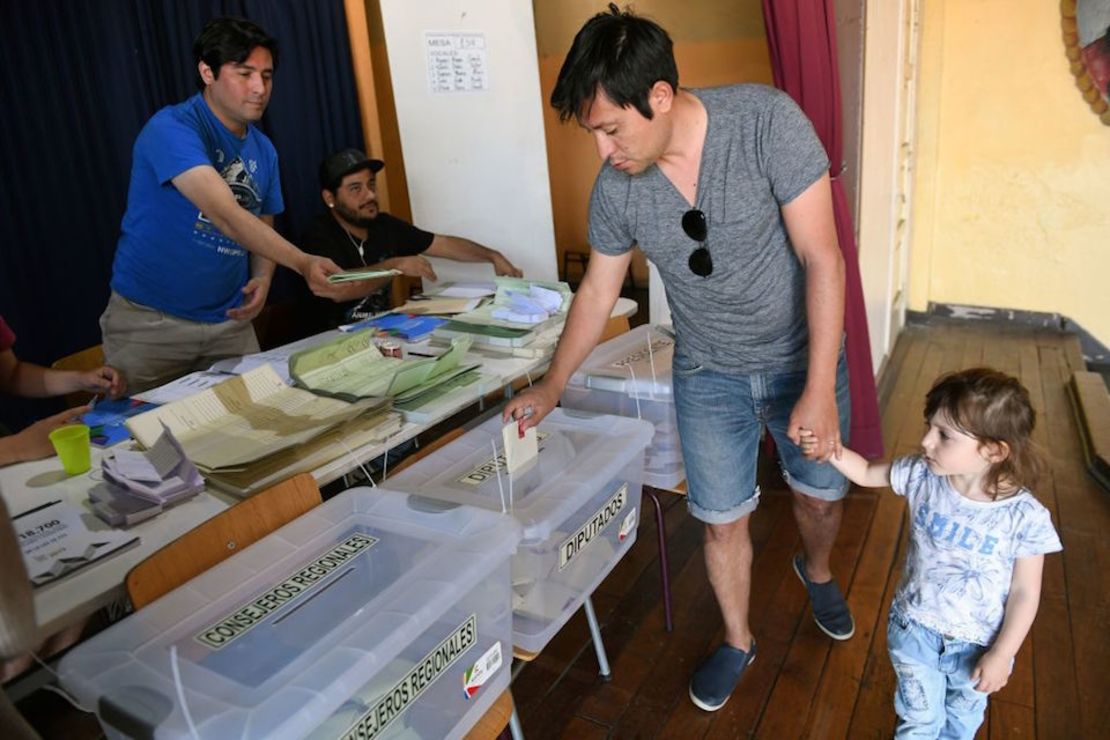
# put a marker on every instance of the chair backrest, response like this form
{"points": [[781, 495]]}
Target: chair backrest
{"points": [[221, 537], [86, 359]]}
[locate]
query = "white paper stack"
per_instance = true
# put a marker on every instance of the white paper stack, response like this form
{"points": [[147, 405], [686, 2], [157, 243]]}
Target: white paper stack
{"points": [[137, 485]]}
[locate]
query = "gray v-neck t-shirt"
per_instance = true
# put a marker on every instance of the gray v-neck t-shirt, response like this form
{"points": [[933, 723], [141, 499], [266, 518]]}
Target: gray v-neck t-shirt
{"points": [[760, 153]]}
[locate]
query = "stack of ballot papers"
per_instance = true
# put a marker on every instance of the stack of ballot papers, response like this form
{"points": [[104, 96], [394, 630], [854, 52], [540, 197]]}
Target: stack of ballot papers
{"points": [[244, 419], [521, 312], [139, 484], [528, 307]]}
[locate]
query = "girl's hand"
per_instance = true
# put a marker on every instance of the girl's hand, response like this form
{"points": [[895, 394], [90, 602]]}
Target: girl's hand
{"points": [[992, 672]]}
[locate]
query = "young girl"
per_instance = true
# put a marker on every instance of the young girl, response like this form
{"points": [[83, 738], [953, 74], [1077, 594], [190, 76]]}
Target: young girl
{"points": [[972, 577]]}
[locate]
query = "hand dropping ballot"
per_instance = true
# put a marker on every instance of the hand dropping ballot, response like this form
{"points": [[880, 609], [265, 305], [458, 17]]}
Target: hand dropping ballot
{"points": [[519, 451]]}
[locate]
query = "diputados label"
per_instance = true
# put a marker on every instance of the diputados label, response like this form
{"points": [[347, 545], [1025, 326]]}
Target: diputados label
{"points": [[594, 526], [293, 587], [433, 665], [482, 472]]}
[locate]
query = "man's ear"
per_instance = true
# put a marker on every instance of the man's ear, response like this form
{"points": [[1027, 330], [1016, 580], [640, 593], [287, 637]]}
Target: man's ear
{"points": [[207, 76], [661, 97], [328, 198]]}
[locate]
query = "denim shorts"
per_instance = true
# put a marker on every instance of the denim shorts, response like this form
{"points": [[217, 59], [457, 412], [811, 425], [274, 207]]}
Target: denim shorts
{"points": [[721, 418]]}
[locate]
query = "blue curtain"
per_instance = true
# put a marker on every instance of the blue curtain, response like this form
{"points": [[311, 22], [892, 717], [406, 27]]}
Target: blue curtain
{"points": [[77, 82]]}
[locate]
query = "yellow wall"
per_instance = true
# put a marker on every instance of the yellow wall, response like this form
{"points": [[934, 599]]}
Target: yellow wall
{"points": [[717, 42], [1011, 203]]}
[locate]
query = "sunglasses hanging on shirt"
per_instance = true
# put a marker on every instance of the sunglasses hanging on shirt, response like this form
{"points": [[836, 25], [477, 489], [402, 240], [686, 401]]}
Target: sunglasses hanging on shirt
{"points": [[696, 227]]}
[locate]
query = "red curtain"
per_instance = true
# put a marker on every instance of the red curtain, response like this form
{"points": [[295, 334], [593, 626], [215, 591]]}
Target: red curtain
{"points": [[802, 38]]}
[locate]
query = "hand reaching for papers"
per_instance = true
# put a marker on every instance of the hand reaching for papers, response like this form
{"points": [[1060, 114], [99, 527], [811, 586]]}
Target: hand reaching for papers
{"points": [[33, 443], [530, 406], [102, 381], [503, 268]]}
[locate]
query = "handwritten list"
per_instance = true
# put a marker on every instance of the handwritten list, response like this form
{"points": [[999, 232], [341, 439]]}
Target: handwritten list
{"points": [[456, 62]]}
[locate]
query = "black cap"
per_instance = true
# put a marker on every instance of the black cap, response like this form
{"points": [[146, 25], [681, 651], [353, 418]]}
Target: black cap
{"points": [[342, 163]]}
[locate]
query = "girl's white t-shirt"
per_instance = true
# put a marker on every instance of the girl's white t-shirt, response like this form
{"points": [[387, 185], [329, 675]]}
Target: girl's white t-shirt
{"points": [[961, 553]]}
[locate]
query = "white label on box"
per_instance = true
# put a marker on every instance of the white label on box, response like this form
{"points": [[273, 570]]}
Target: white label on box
{"points": [[627, 525], [294, 587], [594, 526], [482, 671], [482, 472], [394, 702]]}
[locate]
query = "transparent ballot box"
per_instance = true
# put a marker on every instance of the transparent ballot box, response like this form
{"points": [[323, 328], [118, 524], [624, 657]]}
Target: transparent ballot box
{"points": [[627, 377], [372, 615], [577, 502]]}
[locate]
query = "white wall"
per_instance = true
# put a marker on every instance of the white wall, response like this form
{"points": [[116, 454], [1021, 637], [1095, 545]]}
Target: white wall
{"points": [[476, 161]]}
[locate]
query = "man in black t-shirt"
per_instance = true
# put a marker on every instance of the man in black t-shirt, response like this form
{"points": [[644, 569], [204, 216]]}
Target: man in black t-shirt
{"points": [[354, 233]]}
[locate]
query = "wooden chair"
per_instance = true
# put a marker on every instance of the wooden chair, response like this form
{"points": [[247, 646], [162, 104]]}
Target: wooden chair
{"points": [[221, 537], [86, 359]]}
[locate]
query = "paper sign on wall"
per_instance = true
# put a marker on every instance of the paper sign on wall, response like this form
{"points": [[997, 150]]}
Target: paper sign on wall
{"points": [[456, 62]]}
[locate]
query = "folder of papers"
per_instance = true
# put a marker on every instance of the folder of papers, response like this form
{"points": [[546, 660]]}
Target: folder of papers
{"points": [[353, 275], [244, 419]]}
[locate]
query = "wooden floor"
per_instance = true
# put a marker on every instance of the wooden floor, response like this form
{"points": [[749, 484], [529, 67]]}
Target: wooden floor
{"points": [[802, 683]]}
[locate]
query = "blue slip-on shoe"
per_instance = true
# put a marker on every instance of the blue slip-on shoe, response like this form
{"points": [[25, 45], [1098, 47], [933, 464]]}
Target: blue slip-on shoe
{"points": [[830, 611], [718, 675]]}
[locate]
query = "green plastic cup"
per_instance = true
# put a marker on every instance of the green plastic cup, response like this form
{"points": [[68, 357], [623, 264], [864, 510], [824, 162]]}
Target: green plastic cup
{"points": [[71, 442]]}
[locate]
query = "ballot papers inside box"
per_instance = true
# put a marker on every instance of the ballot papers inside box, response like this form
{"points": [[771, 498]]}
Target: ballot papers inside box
{"points": [[578, 503], [630, 375], [373, 615]]}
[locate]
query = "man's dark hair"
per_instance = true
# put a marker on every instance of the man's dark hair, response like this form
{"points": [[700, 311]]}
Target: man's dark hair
{"points": [[621, 53], [229, 39]]}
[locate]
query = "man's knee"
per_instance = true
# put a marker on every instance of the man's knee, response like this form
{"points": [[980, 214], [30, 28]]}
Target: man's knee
{"points": [[817, 507], [731, 532]]}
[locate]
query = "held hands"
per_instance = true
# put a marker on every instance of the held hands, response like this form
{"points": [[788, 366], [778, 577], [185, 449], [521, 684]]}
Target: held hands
{"points": [[815, 415], [106, 380], [254, 298], [530, 406], [504, 268], [992, 672], [33, 443]]}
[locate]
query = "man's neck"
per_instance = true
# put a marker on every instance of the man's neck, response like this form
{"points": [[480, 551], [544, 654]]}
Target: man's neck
{"points": [[689, 123], [238, 129], [358, 232]]}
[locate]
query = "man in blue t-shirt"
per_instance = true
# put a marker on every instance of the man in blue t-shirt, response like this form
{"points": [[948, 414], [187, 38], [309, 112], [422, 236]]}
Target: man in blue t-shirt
{"points": [[197, 249]]}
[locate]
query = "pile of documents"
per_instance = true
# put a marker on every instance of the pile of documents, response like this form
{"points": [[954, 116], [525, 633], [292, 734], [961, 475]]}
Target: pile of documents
{"points": [[524, 315], [253, 428], [139, 484], [55, 541]]}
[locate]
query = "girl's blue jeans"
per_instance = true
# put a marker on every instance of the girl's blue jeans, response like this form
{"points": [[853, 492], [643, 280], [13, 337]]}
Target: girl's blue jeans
{"points": [[936, 697]]}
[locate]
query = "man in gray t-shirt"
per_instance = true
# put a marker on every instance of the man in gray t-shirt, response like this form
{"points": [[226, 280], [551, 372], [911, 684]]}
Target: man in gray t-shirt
{"points": [[727, 192]]}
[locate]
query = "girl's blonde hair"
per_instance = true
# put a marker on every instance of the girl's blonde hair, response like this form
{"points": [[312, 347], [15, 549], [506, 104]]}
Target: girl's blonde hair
{"points": [[994, 408]]}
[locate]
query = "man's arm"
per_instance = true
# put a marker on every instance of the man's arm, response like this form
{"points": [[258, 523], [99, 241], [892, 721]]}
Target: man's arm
{"points": [[33, 443], [204, 187], [592, 305], [812, 228], [464, 250], [258, 287]]}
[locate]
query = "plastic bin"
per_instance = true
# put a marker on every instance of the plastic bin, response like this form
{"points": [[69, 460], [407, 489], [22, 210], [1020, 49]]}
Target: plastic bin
{"points": [[373, 615], [605, 384], [578, 503]]}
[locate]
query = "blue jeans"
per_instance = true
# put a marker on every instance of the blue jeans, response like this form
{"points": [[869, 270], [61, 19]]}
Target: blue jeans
{"points": [[936, 696], [720, 421]]}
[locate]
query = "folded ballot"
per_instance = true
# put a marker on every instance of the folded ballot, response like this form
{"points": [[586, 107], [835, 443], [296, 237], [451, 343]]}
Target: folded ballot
{"points": [[137, 484]]}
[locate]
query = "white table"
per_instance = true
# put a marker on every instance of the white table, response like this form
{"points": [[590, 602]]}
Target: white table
{"points": [[72, 598]]}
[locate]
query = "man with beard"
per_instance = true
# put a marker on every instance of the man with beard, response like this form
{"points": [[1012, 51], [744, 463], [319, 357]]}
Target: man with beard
{"points": [[354, 233]]}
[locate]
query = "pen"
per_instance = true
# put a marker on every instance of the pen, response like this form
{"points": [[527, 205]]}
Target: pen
{"points": [[92, 403]]}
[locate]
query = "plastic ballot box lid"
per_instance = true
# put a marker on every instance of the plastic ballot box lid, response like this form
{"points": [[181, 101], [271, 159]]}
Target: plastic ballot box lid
{"points": [[273, 641], [579, 454], [636, 363]]}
